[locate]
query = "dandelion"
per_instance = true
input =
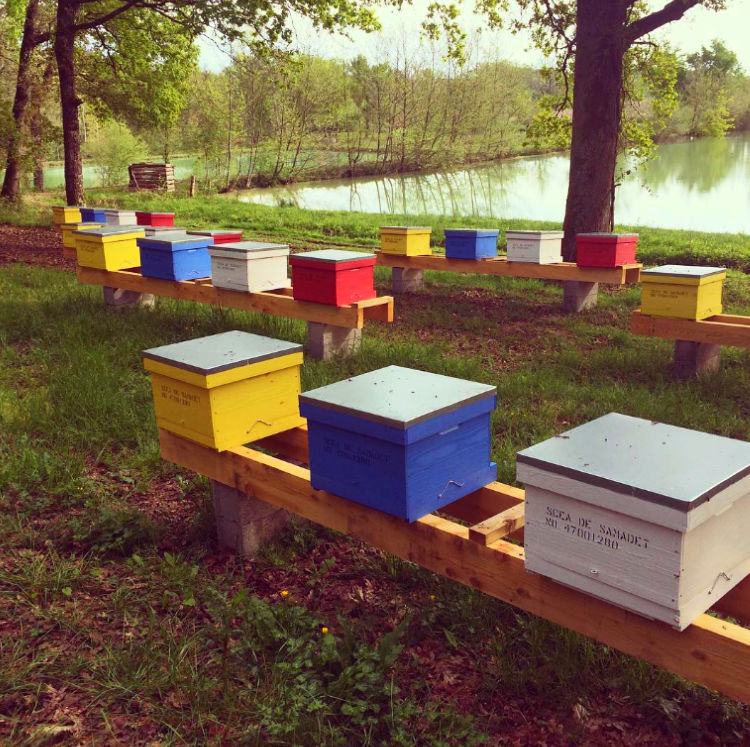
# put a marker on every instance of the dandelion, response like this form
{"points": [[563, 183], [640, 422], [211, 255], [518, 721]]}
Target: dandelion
{"points": [[324, 630], [432, 597], [285, 593]]}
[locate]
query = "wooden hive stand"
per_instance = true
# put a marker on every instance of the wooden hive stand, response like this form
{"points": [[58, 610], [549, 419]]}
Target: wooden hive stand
{"points": [[331, 330], [252, 486], [697, 344], [580, 284]]}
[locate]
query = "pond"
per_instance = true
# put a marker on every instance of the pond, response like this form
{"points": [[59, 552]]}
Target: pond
{"points": [[698, 185]]}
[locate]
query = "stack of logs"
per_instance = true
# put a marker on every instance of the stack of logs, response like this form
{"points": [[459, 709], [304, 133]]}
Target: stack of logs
{"points": [[152, 176]]}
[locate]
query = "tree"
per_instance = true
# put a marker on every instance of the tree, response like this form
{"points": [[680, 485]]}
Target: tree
{"points": [[591, 39], [29, 41], [704, 82], [267, 21]]}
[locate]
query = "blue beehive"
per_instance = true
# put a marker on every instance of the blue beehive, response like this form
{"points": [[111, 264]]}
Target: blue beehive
{"points": [[175, 256], [470, 243], [405, 442], [93, 215]]}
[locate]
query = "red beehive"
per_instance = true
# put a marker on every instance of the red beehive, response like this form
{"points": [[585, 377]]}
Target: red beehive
{"points": [[333, 277], [605, 249], [154, 219], [220, 235]]}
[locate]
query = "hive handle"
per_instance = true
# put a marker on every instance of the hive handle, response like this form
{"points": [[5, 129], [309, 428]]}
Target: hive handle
{"points": [[447, 485]]}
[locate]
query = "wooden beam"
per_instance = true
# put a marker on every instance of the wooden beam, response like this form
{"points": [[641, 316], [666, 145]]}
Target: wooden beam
{"points": [[723, 329], [498, 526], [711, 652], [501, 266], [279, 304]]}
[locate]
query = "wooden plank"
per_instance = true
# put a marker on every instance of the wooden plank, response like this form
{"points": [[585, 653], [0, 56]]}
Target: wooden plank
{"points": [[714, 331], [498, 526], [266, 303], [711, 652], [69, 252], [500, 266]]}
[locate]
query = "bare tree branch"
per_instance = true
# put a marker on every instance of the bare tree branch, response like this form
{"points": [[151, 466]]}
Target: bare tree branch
{"points": [[672, 11]]}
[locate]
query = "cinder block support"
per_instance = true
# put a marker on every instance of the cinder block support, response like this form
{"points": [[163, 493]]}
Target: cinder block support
{"points": [[325, 341], [578, 296], [245, 523], [118, 299], [695, 358], [406, 280]]}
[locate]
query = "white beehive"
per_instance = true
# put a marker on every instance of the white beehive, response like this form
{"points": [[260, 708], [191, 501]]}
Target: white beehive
{"points": [[120, 217], [250, 266], [651, 517], [539, 247]]}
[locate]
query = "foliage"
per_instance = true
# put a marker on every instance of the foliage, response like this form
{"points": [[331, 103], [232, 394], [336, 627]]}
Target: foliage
{"points": [[137, 68], [113, 147], [706, 80]]}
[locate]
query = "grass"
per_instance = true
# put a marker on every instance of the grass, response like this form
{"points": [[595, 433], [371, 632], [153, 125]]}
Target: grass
{"points": [[121, 620]]}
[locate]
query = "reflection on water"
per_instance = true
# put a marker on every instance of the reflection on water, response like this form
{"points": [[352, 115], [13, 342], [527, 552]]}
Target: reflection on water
{"points": [[698, 185]]}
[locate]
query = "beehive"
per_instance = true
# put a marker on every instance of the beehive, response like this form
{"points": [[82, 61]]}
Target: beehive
{"points": [[402, 441], [226, 390], [108, 247], [605, 249], [537, 247], [682, 291], [165, 231], [175, 256], [470, 243], [333, 277], [410, 241], [154, 219], [120, 217], [94, 215], [220, 235], [68, 231], [66, 214], [250, 266], [651, 517]]}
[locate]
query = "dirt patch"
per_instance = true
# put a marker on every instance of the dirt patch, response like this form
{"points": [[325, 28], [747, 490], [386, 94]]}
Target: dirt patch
{"points": [[32, 246]]}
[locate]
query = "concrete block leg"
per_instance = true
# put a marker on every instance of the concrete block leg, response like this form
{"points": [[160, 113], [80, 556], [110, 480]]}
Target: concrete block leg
{"points": [[579, 296], [406, 280], [118, 299], [695, 358], [325, 341], [245, 523]]}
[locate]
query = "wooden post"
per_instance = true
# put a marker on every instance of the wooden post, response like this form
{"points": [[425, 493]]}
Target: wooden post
{"points": [[245, 523], [578, 296], [326, 341], [406, 280], [192, 186], [695, 358]]}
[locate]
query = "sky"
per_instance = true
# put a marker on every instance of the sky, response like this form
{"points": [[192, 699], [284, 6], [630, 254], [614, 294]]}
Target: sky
{"points": [[698, 28]]}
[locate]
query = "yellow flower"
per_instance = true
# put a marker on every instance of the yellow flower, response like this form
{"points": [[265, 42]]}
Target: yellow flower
{"points": [[285, 593], [324, 630], [432, 597]]}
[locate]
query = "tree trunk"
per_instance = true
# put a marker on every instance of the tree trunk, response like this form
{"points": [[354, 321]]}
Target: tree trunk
{"points": [[597, 106], [69, 101], [11, 182], [36, 125]]}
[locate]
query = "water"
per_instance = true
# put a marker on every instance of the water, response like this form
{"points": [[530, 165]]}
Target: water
{"points": [[699, 185]]}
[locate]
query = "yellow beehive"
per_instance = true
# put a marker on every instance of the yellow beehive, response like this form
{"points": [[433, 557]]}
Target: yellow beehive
{"points": [[68, 229], [411, 241], [226, 390], [682, 291], [65, 214], [109, 247]]}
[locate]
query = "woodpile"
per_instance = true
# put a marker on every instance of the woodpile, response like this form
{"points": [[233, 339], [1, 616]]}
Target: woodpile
{"points": [[157, 176]]}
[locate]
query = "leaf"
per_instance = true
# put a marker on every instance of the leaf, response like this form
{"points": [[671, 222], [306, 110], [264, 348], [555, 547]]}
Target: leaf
{"points": [[452, 640]]}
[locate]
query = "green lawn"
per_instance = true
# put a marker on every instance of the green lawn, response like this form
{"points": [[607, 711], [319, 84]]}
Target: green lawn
{"points": [[121, 620]]}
